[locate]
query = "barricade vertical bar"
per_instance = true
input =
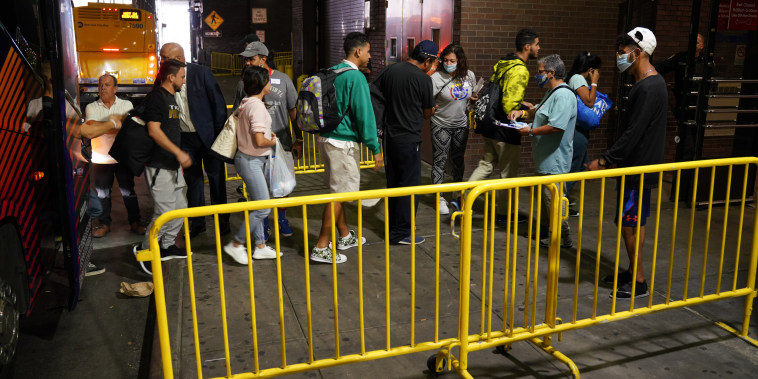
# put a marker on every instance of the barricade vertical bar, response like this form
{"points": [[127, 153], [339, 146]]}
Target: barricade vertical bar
{"points": [[654, 258], [193, 304], [708, 230], [413, 270], [692, 229], [465, 283], [578, 252], [637, 247], [334, 284], [723, 232], [620, 209], [742, 219], [527, 283], [553, 256], [360, 276], [387, 270], [491, 277], [219, 262], [673, 235], [513, 212], [160, 303], [308, 309], [437, 274], [488, 219], [279, 289], [599, 245], [751, 274], [253, 318]]}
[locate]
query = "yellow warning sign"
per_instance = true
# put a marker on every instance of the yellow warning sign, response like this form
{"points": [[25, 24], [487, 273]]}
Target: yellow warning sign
{"points": [[214, 20]]}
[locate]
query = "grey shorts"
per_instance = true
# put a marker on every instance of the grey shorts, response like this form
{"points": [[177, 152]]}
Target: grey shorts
{"points": [[342, 171]]}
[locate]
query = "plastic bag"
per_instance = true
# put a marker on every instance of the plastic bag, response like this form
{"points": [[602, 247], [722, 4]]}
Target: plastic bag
{"points": [[589, 118], [281, 172]]}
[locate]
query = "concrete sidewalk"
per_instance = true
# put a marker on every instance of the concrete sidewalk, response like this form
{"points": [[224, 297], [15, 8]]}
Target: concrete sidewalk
{"points": [[682, 342]]}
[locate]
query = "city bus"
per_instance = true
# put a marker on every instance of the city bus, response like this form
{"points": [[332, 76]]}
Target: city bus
{"points": [[43, 185], [119, 40]]}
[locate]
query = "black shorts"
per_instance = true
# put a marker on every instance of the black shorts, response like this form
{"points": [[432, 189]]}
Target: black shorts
{"points": [[631, 207]]}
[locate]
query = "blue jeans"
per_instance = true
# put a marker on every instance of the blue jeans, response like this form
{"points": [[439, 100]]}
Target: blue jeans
{"points": [[250, 168], [580, 157]]}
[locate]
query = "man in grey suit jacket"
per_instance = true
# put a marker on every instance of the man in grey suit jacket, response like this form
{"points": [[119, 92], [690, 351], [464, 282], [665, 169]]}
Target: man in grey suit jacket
{"points": [[202, 115]]}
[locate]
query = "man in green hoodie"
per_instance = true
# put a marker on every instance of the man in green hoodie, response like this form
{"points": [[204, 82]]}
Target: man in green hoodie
{"points": [[340, 149], [502, 146]]}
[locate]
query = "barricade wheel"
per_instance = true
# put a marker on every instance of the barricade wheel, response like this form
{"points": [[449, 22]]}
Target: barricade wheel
{"points": [[503, 349], [431, 364]]}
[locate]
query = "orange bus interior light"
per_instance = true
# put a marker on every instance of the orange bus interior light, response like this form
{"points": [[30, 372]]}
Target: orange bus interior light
{"points": [[111, 49]]}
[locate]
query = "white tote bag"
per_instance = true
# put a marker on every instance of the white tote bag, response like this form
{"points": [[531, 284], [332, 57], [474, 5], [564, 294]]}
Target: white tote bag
{"points": [[225, 144]]}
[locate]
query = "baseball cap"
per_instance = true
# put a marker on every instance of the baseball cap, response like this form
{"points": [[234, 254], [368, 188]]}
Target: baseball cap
{"points": [[428, 48], [255, 48], [252, 37], [644, 38]]}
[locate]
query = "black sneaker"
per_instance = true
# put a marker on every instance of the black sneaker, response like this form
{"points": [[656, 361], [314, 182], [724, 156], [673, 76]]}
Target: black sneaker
{"points": [[624, 277], [93, 270], [501, 219], [172, 252], [625, 291], [573, 212]]}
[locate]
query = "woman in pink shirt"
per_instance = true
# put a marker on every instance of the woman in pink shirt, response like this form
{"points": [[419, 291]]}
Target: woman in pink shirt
{"points": [[254, 142]]}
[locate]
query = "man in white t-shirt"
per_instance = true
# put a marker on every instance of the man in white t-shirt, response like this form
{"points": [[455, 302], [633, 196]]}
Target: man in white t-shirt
{"points": [[104, 167]]}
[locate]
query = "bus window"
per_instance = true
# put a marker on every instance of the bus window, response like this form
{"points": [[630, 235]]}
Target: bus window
{"points": [[119, 40]]}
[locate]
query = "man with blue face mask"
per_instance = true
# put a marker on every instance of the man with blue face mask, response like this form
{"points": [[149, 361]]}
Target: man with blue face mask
{"points": [[552, 134], [642, 142]]}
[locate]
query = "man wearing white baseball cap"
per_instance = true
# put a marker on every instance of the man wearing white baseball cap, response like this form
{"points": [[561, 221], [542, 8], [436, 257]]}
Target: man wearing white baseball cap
{"points": [[642, 142]]}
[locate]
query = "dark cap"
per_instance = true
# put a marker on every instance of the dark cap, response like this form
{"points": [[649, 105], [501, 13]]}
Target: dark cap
{"points": [[428, 48], [252, 37]]}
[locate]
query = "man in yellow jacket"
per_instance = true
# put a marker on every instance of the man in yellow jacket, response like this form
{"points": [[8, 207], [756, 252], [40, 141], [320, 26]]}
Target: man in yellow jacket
{"points": [[502, 146]]}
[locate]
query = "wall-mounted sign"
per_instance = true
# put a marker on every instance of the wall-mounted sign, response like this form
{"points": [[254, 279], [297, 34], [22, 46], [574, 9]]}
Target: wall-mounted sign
{"points": [[214, 20], [259, 16], [738, 15], [739, 55], [216, 33], [261, 35]]}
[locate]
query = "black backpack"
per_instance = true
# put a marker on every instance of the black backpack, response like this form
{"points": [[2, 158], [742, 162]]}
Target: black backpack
{"points": [[488, 108], [316, 105], [133, 145]]}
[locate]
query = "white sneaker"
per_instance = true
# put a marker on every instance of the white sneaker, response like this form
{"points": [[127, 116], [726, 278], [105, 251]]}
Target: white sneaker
{"points": [[351, 240], [443, 206], [265, 253], [238, 253], [324, 255]]}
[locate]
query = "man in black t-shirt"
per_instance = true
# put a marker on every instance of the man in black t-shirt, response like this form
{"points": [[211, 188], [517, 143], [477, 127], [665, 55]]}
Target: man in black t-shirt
{"points": [[409, 105], [162, 172], [642, 142]]}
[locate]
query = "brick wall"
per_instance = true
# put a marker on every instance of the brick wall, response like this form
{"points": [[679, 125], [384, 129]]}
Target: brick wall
{"points": [[488, 31]]}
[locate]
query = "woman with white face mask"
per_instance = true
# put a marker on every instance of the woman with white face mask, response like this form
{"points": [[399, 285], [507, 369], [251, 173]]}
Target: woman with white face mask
{"points": [[453, 89]]}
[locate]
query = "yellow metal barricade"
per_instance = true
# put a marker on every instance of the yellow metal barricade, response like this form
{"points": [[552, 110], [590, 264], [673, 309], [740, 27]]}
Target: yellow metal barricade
{"points": [[223, 63], [576, 301], [369, 318], [516, 293]]}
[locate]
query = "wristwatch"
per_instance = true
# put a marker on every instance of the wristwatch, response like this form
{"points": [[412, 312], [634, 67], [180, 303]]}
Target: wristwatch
{"points": [[602, 162], [530, 133]]}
